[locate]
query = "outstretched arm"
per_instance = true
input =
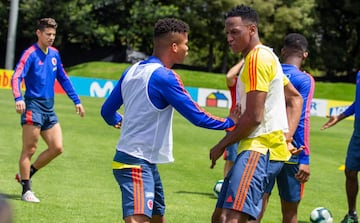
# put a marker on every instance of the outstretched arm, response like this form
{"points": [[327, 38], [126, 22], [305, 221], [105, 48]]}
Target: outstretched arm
{"points": [[335, 119], [173, 92]]}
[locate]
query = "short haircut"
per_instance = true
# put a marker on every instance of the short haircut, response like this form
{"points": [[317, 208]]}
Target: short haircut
{"points": [[170, 25], [245, 12], [46, 23], [296, 41]]}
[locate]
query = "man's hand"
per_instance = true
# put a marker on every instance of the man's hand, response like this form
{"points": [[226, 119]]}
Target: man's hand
{"points": [[215, 153], [235, 114], [293, 150], [20, 107], [118, 125], [80, 110], [303, 174], [332, 121]]}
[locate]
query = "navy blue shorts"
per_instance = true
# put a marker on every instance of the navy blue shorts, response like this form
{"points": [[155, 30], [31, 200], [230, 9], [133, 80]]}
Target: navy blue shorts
{"points": [[36, 118], [290, 189], [231, 151], [352, 161]]}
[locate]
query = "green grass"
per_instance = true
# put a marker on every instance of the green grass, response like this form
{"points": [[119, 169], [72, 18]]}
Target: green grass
{"points": [[112, 71], [79, 186]]}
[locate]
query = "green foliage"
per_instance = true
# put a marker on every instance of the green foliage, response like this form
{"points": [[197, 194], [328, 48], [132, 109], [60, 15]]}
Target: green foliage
{"points": [[143, 15], [207, 40], [337, 32], [330, 26], [4, 15], [280, 17]]}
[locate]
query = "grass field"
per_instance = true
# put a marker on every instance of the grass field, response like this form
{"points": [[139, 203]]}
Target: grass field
{"points": [[79, 187], [112, 71]]}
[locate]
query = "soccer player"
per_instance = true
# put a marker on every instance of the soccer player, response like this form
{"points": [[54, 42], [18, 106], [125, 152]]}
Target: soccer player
{"points": [[296, 171], [352, 164], [231, 82], [149, 91], [262, 125], [39, 66]]}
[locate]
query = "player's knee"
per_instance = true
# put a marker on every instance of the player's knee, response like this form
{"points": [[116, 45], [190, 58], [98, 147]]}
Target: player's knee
{"points": [[29, 150], [350, 174], [57, 150]]}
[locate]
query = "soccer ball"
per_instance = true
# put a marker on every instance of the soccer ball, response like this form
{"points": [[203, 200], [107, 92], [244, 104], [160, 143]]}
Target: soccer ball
{"points": [[321, 215], [217, 187]]}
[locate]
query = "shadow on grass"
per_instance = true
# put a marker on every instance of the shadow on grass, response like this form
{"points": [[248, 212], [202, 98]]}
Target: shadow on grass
{"points": [[197, 193], [211, 196], [11, 196]]}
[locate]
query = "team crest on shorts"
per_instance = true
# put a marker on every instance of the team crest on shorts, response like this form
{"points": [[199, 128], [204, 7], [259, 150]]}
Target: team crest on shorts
{"points": [[150, 204]]}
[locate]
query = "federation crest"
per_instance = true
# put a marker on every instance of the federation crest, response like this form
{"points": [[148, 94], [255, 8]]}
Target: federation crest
{"points": [[150, 204], [53, 61]]}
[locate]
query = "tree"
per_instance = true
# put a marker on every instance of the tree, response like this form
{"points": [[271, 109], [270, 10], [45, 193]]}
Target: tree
{"points": [[95, 29], [338, 37]]}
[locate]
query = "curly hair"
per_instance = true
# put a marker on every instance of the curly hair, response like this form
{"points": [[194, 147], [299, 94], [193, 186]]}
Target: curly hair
{"points": [[46, 23], [168, 25], [245, 12]]}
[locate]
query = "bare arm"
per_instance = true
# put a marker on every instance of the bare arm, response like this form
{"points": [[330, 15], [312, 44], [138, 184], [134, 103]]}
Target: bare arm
{"points": [[247, 123], [233, 72], [294, 104]]}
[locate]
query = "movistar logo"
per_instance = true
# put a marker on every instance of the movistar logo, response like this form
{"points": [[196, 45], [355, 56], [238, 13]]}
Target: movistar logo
{"points": [[97, 91]]}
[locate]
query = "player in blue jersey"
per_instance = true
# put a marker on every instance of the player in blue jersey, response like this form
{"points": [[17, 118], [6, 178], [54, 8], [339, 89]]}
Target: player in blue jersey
{"points": [[352, 164], [295, 172], [39, 66], [150, 91]]}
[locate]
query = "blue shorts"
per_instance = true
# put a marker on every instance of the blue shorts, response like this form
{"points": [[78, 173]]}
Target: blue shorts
{"points": [[243, 187], [353, 151], [43, 120], [290, 189], [231, 151], [352, 161], [140, 184], [273, 171]]}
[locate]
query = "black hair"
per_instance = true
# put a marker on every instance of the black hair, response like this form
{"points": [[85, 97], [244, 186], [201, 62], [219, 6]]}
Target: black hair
{"points": [[296, 41], [46, 23], [167, 25], [245, 12]]}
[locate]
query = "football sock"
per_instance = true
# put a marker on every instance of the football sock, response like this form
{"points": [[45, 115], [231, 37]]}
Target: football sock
{"points": [[26, 185], [32, 170], [352, 213]]}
